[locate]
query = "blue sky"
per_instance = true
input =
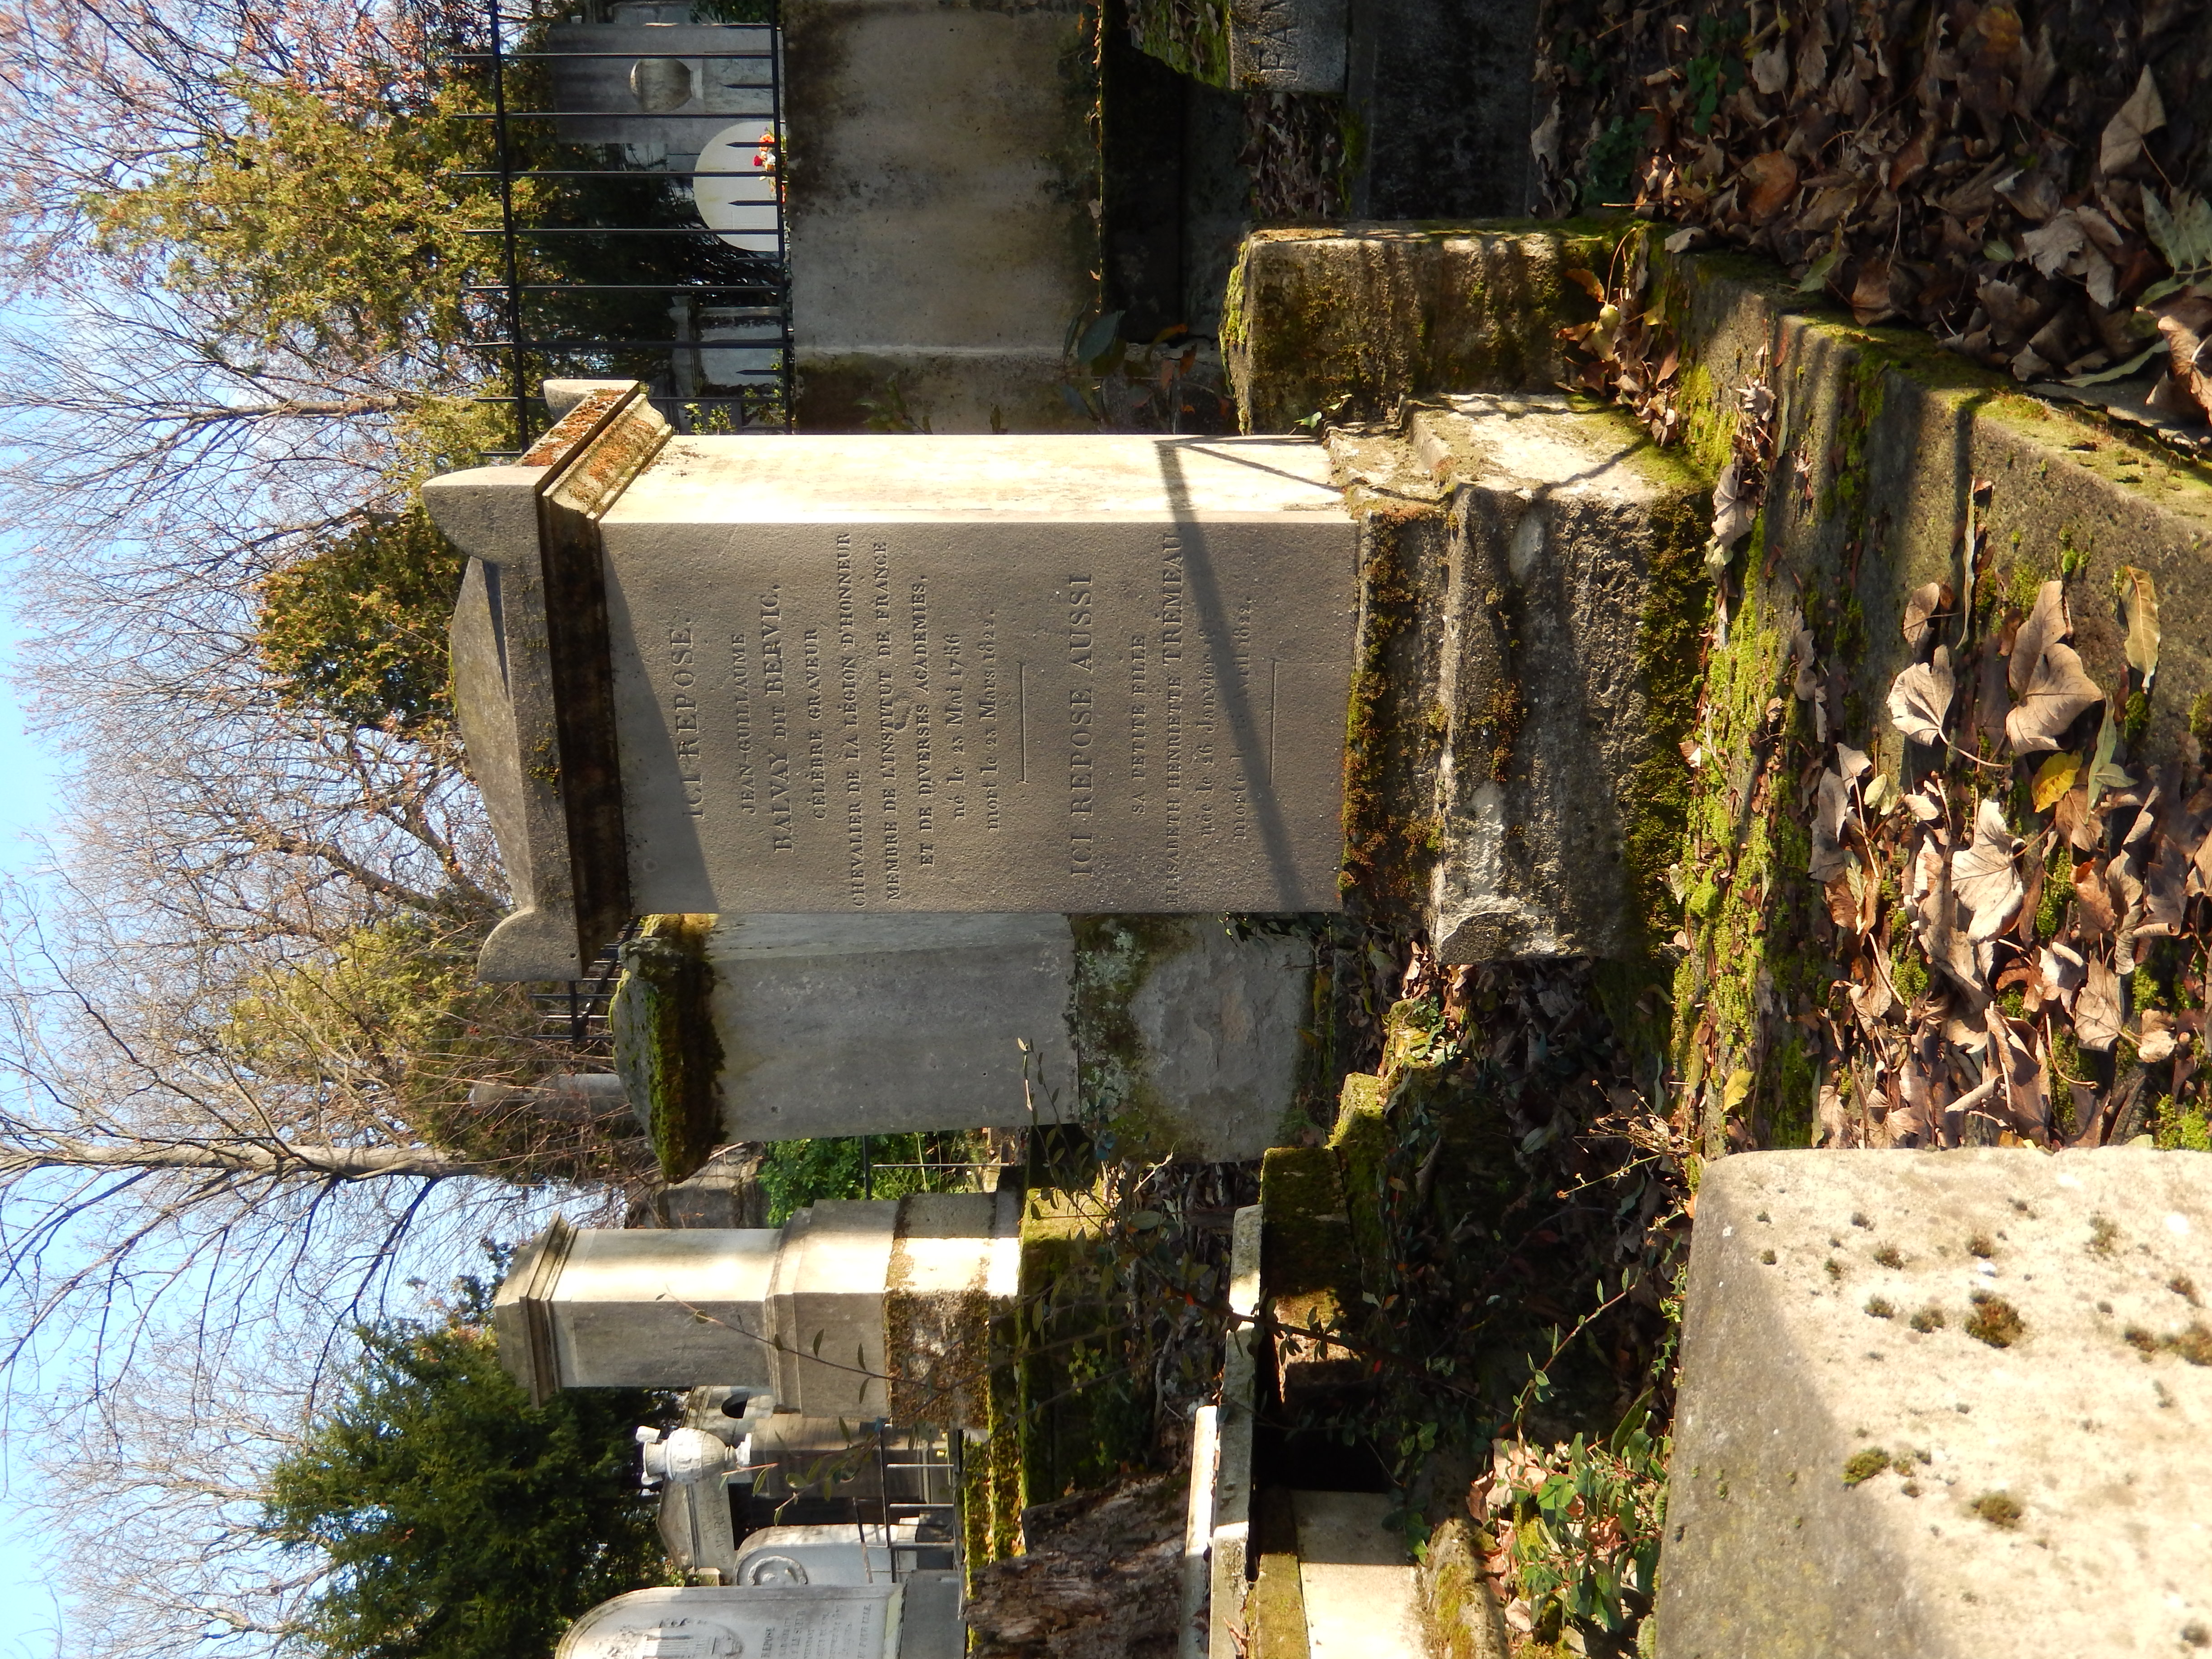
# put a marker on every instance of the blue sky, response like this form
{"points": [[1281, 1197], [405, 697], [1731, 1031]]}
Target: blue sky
{"points": [[29, 1619]]}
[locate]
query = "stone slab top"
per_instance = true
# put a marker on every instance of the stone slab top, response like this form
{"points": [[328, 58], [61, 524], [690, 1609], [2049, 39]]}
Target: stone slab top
{"points": [[1944, 1404], [1541, 441], [880, 476]]}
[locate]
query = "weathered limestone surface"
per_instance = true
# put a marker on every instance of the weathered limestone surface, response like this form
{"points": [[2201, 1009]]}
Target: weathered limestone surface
{"points": [[1529, 545], [1358, 1580], [1897, 431], [1288, 45], [880, 1025], [940, 211], [2092, 1421], [1892, 431], [1442, 90], [917, 1617]]}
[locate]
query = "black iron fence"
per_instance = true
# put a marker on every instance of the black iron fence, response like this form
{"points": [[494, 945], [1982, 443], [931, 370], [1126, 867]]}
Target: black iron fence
{"points": [[635, 151]]}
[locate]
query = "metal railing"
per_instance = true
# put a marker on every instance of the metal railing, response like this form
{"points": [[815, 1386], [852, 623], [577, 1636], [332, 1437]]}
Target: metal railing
{"points": [[634, 161], [578, 1012]]}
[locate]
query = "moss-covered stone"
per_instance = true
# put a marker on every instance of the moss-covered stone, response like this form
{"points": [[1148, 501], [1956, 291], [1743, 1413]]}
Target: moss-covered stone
{"points": [[1189, 36], [666, 1049], [1308, 1270], [1459, 1613], [1350, 321], [1275, 1606], [1114, 956]]}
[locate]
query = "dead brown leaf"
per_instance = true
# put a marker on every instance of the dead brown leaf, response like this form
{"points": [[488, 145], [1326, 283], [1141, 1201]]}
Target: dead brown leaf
{"points": [[1920, 698], [1771, 179], [1829, 858], [2057, 689], [2097, 1008], [2093, 896], [2186, 320], [2139, 611], [1929, 601], [1984, 876], [2020, 1062], [2121, 145]]}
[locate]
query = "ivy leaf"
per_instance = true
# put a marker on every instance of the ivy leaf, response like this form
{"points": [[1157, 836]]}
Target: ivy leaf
{"points": [[2104, 773], [2046, 624], [2054, 778], [1983, 876], [2139, 610], [2121, 145], [1733, 508], [1829, 860], [2026, 1085], [2184, 234], [1735, 1092], [1920, 697], [2062, 969]]}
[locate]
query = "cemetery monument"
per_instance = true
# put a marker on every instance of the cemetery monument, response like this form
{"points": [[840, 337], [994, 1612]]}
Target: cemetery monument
{"points": [[885, 674]]}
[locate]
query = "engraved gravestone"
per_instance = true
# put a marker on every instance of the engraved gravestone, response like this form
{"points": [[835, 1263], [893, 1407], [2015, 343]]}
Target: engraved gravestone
{"points": [[884, 673], [914, 1617]]}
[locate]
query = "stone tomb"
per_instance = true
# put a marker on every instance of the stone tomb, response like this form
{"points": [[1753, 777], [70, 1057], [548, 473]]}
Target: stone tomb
{"points": [[856, 1308], [1945, 1404], [897, 673]]}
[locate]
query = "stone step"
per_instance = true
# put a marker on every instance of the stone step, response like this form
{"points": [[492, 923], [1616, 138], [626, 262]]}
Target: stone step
{"points": [[1525, 560]]}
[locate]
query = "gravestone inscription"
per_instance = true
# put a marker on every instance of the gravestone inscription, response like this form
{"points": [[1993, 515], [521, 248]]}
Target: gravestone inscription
{"points": [[899, 673]]}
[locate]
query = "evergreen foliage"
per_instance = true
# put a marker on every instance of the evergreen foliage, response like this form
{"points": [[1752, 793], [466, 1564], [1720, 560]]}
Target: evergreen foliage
{"points": [[461, 1521], [357, 628]]}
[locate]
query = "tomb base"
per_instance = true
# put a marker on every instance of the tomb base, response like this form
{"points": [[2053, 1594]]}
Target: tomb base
{"points": [[1167, 1032], [858, 1310]]}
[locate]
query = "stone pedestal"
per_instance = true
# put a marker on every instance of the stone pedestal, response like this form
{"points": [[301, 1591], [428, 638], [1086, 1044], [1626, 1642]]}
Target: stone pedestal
{"points": [[880, 674], [775, 1028], [855, 1309], [1942, 1404]]}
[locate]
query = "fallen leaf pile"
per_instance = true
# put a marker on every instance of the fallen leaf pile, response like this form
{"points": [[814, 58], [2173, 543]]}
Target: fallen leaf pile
{"points": [[1631, 354], [2027, 181], [2021, 943]]}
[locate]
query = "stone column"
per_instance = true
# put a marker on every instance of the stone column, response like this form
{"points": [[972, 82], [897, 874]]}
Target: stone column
{"points": [[851, 1310]]}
